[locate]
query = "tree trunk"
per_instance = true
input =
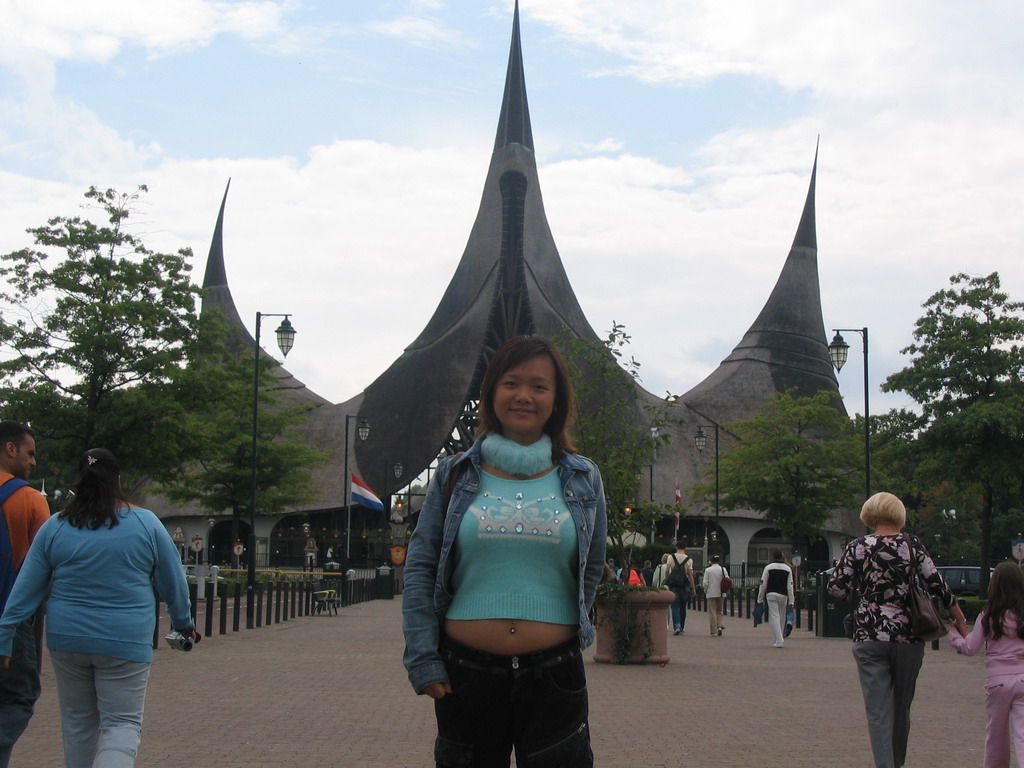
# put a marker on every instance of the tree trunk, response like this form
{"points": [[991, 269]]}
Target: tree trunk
{"points": [[986, 536]]}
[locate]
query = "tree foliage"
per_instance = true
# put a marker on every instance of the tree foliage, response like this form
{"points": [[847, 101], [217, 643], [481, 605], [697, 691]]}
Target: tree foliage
{"points": [[966, 375], [795, 462], [218, 475], [614, 429], [96, 328]]}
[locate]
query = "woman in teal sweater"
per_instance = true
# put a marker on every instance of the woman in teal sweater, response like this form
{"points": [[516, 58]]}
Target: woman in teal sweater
{"points": [[104, 557], [502, 572]]}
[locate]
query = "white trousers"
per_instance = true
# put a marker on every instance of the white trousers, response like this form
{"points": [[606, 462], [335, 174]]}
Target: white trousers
{"points": [[776, 614]]}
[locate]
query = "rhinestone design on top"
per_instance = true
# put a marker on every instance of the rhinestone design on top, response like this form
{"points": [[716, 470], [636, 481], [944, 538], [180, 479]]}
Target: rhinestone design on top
{"points": [[540, 517]]}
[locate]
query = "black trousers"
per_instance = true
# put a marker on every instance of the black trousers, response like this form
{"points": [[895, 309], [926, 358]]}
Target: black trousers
{"points": [[535, 703]]}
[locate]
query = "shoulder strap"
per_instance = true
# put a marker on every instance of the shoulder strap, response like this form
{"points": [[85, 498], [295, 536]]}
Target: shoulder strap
{"points": [[7, 574], [674, 560], [9, 487]]}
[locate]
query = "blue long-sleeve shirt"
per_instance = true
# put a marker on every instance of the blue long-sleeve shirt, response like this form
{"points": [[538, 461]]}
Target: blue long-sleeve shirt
{"points": [[101, 599]]}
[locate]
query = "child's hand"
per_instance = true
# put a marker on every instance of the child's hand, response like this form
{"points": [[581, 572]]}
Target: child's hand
{"points": [[960, 626]]}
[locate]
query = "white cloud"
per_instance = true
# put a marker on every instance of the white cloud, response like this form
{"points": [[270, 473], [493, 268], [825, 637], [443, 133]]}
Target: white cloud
{"points": [[98, 30], [418, 30], [604, 146], [847, 51]]}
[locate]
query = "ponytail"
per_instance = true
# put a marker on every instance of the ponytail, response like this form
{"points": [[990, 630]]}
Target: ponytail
{"points": [[97, 491]]}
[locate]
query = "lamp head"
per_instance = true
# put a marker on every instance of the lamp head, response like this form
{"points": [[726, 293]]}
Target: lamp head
{"points": [[285, 336], [838, 351]]}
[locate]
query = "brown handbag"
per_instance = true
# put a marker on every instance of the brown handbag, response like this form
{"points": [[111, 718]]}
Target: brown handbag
{"points": [[924, 617]]}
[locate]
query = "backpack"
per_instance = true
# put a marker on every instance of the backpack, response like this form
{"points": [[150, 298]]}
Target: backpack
{"points": [[7, 573], [677, 578]]}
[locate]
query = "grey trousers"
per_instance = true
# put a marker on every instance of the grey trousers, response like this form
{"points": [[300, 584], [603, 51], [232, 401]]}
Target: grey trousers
{"points": [[888, 679]]}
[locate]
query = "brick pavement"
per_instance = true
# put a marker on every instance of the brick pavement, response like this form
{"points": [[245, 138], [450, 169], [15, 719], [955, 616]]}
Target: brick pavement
{"points": [[331, 691]]}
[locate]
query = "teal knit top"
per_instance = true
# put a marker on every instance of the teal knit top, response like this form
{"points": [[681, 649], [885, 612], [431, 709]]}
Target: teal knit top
{"points": [[516, 553]]}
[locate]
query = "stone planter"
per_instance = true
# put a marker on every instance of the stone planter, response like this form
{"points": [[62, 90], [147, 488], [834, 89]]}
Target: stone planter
{"points": [[648, 608]]}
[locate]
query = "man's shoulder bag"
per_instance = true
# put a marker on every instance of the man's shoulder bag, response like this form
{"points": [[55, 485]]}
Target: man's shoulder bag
{"points": [[726, 581]]}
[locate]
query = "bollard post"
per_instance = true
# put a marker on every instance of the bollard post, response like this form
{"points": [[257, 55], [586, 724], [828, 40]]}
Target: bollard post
{"points": [[384, 584]]}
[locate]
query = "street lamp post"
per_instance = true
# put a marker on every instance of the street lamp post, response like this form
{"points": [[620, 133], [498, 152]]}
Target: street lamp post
{"points": [[362, 432], [837, 353], [949, 517], [285, 340], [701, 440], [654, 463]]}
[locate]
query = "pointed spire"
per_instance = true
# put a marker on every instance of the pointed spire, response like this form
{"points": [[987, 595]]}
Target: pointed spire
{"points": [[785, 347], [514, 122], [216, 274], [509, 281], [806, 233]]}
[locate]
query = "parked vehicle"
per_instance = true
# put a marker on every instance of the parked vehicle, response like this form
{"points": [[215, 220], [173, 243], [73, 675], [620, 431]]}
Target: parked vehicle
{"points": [[962, 579]]}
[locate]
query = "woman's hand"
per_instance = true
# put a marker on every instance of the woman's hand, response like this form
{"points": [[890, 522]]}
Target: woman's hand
{"points": [[437, 690], [961, 626], [960, 621]]}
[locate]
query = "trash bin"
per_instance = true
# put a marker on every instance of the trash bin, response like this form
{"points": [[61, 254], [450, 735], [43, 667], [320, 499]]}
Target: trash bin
{"points": [[384, 584], [831, 610]]}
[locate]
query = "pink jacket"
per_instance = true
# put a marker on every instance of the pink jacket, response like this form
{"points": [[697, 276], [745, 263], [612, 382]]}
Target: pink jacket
{"points": [[1004, 656]]}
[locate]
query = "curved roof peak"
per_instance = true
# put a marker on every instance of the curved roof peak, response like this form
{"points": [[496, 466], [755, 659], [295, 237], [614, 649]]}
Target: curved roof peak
{"points": [[216, 274], [806, 232], [785, 347], [514, 122]]}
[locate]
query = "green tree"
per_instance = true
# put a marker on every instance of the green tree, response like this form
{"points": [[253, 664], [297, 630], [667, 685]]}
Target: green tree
{"points": [[795, 462], [895, 454], [218, 474], [96, 328], [614, 429], [966, 376]]}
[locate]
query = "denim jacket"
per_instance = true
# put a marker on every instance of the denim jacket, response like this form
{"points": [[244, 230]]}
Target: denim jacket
{"points": [[426, 592]]}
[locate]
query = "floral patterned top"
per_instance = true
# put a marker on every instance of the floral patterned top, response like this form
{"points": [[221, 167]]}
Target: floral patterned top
{"points": [[880, 570]]}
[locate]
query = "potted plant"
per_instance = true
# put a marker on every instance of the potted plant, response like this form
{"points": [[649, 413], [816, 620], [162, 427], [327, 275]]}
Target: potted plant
{"points": [[622, 434], [631, 625]]}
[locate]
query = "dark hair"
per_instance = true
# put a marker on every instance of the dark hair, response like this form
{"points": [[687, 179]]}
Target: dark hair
{"points": [[98, 492], [1005, 595], [715, 559], [515, 352], [777, 555], [14, 432]]}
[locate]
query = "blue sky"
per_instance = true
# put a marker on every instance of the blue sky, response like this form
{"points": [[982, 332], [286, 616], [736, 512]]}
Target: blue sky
{"points": [[674, 139]]}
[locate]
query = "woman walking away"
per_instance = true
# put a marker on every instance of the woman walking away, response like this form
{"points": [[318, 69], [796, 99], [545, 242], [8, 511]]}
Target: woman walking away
{"points": [[777, 590], [880, 568], [104, 557], [1000, 631], [501, 574]]}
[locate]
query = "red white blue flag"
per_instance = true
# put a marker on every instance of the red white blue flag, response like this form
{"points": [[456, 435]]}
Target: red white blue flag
{"points": [[361, 494]]}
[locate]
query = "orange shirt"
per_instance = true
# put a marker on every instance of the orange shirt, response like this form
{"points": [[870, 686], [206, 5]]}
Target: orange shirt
{"points": [[25, 512]]}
